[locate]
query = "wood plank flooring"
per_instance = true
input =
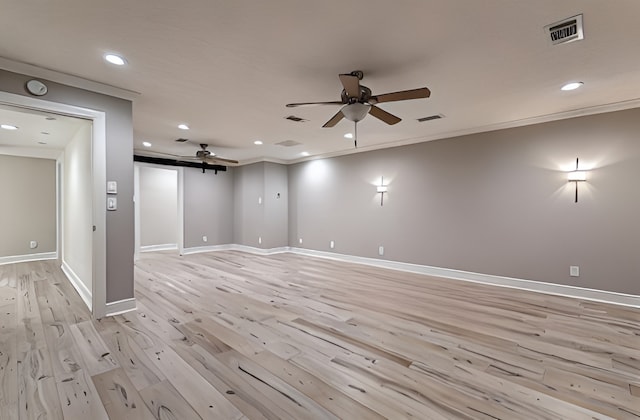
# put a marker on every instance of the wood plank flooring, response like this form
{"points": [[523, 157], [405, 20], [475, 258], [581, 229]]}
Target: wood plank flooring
{"points": [[229, 335]]}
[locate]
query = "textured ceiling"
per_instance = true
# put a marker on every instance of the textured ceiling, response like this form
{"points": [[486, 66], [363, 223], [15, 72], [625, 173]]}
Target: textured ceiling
{"points": [[227, 68]]}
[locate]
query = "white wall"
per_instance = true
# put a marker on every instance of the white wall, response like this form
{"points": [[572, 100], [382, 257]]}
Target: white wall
{"points": [[77, 209], [158, 206]]}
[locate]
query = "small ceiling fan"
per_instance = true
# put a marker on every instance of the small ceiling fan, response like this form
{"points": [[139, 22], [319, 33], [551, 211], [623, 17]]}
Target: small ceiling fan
{"points": [[358, 101], [203, 155], [207, 156]]}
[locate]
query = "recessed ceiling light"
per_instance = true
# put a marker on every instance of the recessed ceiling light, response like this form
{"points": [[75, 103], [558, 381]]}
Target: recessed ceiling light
{"points": [[304, 153], [45, 133], [8, 127], [42, 142], [572, 86], [348, 136], [115, 59], [183, 126], [257, 142], [146, 144]]}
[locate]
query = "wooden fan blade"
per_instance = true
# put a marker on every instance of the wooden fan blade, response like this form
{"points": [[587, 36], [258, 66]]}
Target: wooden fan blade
{"points": [[351, 85], [314, 104], [220, 161], [401, 96], [383, 115], [334, 120]]}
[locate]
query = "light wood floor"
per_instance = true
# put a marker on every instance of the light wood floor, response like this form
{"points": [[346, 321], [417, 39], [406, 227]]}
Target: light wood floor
{"points": [[232, 335]]}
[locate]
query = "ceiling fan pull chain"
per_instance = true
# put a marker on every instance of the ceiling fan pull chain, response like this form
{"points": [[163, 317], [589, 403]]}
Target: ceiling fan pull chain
{"points": [[355, 134]]}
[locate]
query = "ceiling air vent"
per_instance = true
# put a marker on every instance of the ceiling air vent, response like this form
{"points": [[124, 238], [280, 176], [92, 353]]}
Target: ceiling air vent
{"points": [[294, 118], [288, 143], [567, 30], [431, 117]]}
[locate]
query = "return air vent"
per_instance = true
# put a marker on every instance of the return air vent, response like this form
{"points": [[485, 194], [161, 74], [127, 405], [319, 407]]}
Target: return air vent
{"points": [[181, 140], [288, 143], [296, 119], [567, 30], [430, 118]]}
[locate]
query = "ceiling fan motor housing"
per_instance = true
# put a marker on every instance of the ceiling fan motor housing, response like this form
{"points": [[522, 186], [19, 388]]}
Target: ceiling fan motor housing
{"points": [[365, 95]]}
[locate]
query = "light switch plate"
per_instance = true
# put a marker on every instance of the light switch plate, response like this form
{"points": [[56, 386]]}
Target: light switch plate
{"points": [[112, 187], [112, 203]]}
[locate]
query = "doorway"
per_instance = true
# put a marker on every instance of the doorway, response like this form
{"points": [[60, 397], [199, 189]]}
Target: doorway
{"points": [[80, 186], [158, 208]]}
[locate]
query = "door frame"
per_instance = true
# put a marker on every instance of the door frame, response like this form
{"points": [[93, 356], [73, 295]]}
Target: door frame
{"points": [[99, 198]]}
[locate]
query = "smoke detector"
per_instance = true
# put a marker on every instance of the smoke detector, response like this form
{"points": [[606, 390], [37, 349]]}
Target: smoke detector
{"points": [[566, 30]]}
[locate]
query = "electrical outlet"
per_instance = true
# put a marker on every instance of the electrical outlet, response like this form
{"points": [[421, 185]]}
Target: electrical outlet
{"points": [[380, 250], [574, 271], [33, 244], [300, 241], [205, 239], [259, 239], [332, 244]]}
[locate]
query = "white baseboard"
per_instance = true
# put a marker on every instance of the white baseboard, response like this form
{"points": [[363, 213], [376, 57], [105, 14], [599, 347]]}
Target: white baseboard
{"points": [[29, 257], [261, 251], [534, 286], [162, 247], [121, 306], [208, 248], [235, 247], [77, 284]]}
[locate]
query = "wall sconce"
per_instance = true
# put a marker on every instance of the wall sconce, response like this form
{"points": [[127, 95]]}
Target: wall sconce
{"points": [[381, 189], [577, 176]]}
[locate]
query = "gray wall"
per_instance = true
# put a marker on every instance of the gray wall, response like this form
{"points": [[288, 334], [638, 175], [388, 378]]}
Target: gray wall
{"points": [[158, 206], [258, 211], [119, 149], [495, 203], [28, 209], [276, 209], [208, 207]]}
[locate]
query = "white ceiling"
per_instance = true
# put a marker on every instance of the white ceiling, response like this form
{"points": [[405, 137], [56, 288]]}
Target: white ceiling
{"points": [[38, 134], [227, 68]]}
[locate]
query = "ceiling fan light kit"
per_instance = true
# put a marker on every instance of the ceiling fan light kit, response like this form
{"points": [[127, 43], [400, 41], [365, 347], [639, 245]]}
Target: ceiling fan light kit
{"points": [[358, 101]]}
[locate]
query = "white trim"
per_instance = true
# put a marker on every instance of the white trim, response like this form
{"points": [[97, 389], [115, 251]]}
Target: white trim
{"points": [[208, 248], [13, 259], [136, 212], [181, 210], [121, 306], [161, 247], [66, 79], [235, 247], [530, 285], [77, 283], [98, 169], [261, 251]]}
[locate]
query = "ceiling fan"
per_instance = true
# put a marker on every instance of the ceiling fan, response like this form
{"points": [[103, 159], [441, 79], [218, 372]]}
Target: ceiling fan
{"points": [[358, 101], [207, 156], [203, 155]]}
